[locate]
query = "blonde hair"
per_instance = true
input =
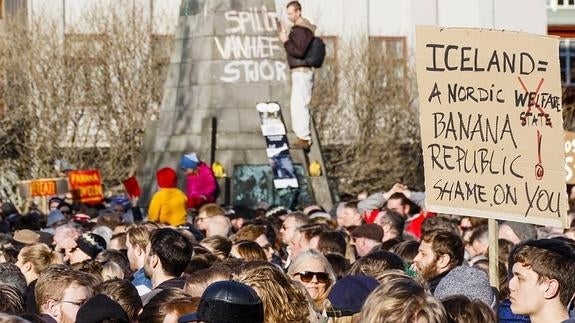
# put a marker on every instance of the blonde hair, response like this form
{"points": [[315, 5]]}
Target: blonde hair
{"points": [[300, 263], [283, 301], [139, 234], [111, 270], [55, 279], [402, 300], [212, 209], [40, 256]]}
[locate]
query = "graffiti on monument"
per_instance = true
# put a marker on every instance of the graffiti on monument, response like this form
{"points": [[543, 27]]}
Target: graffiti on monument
{"points": [[251, 46]]}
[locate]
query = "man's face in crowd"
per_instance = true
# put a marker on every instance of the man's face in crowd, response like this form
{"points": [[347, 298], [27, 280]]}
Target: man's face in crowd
{"points": [[293, 14], [74, 296], [395, 205], [263, 242], [132, 253], [426, 261], [526, 292], [349, 217], [288, 229], [202, 221]]}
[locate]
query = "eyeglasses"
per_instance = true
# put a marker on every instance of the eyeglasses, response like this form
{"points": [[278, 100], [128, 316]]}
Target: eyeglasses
{"points": [[200, 219], [78, 303], [307, 276]]}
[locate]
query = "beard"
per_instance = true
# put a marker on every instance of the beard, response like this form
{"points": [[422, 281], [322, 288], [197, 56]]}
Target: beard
{"points": [[428, 272]]}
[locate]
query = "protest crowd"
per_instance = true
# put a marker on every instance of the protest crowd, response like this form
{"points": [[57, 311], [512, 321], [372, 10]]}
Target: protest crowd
{"points": [[379, 259]]}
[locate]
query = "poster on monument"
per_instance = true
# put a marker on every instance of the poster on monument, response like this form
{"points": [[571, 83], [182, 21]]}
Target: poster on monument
{"points": [[277, 147], [491, 124]]}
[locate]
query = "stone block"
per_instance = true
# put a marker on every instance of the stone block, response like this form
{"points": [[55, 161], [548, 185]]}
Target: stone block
{"points": [[257, 156], [249, 120], [243, 140], [166, 122], [160, 143], [195, 25], [229, 120], [239, 95], [181, 143], [170, 98]]}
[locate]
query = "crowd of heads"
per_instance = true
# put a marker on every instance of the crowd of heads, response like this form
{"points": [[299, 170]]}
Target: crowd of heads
{"points": [[359, 261]]}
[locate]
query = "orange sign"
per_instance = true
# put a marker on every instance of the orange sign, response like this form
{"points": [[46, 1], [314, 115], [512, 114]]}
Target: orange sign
{"points": [[43, 187], [86, 186]]}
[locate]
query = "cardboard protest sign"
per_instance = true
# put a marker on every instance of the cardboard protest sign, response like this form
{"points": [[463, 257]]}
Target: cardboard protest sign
{"points": [[86, 186], [491, 124], [43, 187]]}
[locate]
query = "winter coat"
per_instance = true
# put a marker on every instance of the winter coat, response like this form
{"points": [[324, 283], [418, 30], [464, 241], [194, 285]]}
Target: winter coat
{"points": [[201, 186], [299, 39], [168, 205]]}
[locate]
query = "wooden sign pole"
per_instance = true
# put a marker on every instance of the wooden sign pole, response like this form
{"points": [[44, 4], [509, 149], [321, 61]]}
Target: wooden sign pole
{"points": [[493, 253]]}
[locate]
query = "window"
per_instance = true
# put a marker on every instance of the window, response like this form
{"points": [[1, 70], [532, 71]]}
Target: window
{"points": [[387, 60], [567, 61], [560, 4], [86, 68]]}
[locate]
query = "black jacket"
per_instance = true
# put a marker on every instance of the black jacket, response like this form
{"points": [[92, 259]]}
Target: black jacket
{"points": [[299, 38]]}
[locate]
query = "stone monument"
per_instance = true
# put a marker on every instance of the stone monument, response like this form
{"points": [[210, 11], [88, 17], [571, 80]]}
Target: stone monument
{"points": [[227, 58]]}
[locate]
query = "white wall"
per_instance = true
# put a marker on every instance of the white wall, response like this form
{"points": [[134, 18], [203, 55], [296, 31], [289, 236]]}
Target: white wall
{"points": [[69, 14]]}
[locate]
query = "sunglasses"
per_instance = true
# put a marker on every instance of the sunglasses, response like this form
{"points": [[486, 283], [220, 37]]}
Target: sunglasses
{"points": [[307, 276]]}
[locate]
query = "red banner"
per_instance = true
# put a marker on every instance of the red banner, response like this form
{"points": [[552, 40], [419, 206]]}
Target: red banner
{"points": [[86, 186]]}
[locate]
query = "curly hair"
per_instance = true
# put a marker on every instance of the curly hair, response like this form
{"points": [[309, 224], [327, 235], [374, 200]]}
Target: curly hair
{"points": [[283, 301]]}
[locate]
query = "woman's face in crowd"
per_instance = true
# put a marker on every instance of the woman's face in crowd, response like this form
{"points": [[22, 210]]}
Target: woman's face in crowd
{"points": [[314, 287]]}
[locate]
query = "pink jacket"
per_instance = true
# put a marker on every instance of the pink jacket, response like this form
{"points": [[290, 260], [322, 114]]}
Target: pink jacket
{"points": [[201, 186]]}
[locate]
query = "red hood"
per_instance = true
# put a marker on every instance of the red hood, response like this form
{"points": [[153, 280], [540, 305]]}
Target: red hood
{"points": [[167, 177]]}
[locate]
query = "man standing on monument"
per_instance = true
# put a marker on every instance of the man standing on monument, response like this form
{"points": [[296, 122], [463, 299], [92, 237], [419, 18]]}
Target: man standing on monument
{"points": [[296, 44]]}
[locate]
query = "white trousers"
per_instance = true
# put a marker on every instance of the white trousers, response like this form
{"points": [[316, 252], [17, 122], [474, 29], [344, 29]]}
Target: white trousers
{"points": [[301, 87]]}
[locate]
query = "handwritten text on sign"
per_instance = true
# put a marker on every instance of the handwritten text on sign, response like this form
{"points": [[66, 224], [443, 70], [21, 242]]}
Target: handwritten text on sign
{"points": [[491, 124], [86, 185], [251, 56]]}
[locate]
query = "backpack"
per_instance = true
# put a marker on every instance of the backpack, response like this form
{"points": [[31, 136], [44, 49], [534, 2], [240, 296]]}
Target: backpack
{"points": [[315, 53]]}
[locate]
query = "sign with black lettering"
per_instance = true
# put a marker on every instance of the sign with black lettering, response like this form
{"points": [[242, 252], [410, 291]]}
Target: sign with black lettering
{"points": [[491, 124]]}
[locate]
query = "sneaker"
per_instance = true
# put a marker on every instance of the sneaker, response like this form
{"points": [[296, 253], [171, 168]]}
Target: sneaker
{"points": [[302, 144]]}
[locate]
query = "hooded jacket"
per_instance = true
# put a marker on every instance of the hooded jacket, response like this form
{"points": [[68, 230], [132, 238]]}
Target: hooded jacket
{"points": [[299, 39], [201, 186], [168, 205]]}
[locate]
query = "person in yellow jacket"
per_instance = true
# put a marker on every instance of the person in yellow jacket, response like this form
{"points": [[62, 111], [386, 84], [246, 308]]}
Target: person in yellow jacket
{"points": [[168, 205]]}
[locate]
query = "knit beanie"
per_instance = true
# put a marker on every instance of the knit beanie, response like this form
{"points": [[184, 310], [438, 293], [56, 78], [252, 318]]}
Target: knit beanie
{"points": [[91, 244], [167, 177], [524, 231], [469, 282]]}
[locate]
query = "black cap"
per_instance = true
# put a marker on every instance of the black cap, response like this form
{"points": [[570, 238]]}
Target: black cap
{"points": [[100, 308], [228, 302]]}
